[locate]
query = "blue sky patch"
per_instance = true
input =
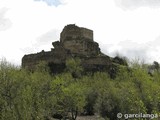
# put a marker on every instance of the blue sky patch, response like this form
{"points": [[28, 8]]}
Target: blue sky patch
{"points": [[51, 2]]}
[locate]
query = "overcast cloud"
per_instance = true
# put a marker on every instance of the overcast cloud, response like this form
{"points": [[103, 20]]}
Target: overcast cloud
{"points": [[134, 50], [46, 40], [5, 23], [51, 2], [133, 4], [29, 26]]}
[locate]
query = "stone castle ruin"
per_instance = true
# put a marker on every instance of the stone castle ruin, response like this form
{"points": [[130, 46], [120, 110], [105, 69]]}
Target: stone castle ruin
{"points": [[74, 42]]}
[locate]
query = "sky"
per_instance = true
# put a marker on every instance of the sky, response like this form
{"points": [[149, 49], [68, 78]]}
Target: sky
{"points": [[130, 28]]}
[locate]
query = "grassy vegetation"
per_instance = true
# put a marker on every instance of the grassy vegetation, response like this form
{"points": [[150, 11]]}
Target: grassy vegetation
{"points": [[37, 95]]}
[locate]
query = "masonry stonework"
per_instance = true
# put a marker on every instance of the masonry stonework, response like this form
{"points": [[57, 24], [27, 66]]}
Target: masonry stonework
{"points": [[74, 42]]}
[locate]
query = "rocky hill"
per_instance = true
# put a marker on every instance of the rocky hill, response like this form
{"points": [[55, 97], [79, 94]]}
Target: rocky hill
{"points": [[74, 42]]}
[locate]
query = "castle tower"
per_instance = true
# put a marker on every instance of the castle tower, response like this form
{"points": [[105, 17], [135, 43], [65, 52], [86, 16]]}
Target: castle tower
{"points": [[79, 40], [73, 32]]}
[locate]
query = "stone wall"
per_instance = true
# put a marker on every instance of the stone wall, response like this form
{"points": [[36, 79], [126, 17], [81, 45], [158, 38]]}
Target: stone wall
{"points": [[82, 47], [74, 42], [79, 40], [56, 56], [87, 34], [73, 32]]}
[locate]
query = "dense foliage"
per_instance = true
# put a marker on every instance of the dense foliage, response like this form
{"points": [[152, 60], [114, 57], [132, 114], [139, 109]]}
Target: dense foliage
{"points": [[38, 95]]}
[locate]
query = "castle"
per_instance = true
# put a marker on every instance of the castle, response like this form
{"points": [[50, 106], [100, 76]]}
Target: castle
{"points": [[74, 42]]}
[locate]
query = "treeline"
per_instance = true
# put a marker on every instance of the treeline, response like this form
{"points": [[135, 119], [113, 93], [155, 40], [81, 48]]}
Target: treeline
{"points": [[39, 95]]}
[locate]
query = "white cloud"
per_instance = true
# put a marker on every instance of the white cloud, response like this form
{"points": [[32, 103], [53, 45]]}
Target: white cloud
{"points": [[133, 4], [50, 36], [51, 2], [5, 23], [148, 52], [33, 23], [43, 42]]}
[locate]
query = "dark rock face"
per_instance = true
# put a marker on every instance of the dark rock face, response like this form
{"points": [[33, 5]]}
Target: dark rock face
{"points": [[74, 42]]}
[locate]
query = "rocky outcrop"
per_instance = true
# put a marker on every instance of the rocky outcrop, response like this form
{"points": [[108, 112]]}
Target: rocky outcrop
{"points": [[74, 42]]}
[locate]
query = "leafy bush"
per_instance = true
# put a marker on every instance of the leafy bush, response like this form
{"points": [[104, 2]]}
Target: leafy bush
{"points": [[37, 95]]}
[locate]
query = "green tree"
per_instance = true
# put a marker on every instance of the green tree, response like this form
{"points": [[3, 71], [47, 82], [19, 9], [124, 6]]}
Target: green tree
{"points": [[70, 97], [74, 67]]}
